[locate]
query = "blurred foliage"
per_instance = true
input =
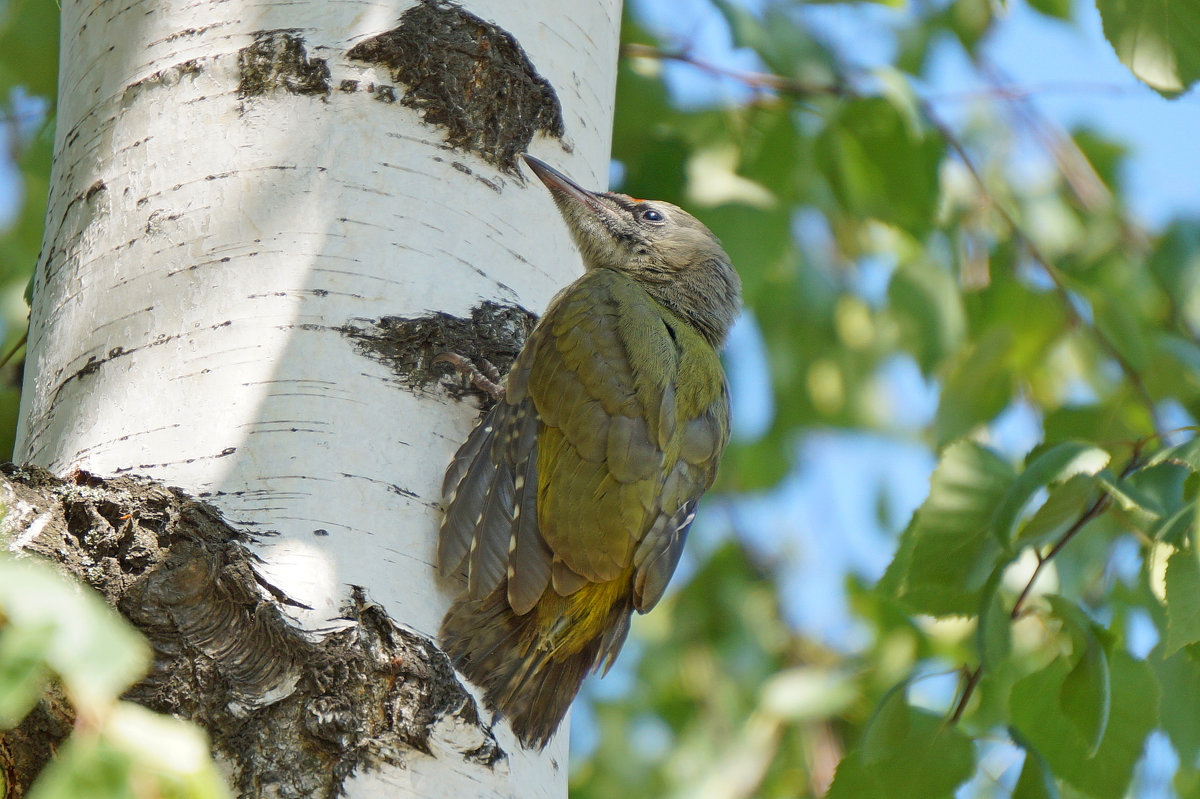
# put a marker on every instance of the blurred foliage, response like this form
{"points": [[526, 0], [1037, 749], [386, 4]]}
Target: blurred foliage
{"points": [[28, 81], [1156, 40], [1003, 292], [51, 628]]}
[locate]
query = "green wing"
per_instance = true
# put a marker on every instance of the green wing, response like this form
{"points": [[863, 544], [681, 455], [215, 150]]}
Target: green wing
{"points": [[619, 455]]}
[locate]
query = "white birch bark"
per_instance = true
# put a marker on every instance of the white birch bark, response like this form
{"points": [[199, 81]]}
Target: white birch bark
{"points": [[202, 250]]}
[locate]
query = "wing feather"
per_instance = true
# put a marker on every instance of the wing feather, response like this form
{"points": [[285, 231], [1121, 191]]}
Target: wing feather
{"points": [[590, 468]]}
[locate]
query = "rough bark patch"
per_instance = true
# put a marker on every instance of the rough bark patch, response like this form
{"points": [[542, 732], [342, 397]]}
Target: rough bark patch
{"points": [[495, 333], [278, 60], [469, 76], [294, 714], [25, 749]]}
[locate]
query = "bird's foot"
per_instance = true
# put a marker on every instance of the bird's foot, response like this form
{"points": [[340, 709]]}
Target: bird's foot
{"points": [[486, 379]]}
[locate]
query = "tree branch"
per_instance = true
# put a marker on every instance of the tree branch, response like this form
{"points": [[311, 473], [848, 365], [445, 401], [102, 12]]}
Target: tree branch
{"points": [[760, 81], [1098, 507]]}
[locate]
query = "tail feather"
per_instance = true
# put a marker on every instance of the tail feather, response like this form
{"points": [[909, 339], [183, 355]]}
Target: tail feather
{"points": [[525, 678]]}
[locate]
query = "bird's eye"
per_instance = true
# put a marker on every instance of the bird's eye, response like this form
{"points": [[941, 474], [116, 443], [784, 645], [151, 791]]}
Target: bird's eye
{"points": [[651, 215]]}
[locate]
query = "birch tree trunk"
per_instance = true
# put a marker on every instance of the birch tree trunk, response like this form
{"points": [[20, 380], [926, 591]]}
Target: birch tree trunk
{"points": [[264, 219]]}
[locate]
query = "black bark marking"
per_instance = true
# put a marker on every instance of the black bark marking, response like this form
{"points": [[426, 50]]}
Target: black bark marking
{"points": [[167, 77], [94, 190], [294, 714], [277, 60], [469, 76], [407, 346]]}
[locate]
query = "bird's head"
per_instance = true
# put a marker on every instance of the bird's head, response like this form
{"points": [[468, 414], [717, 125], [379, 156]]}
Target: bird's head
{"points": [[664, 248]]}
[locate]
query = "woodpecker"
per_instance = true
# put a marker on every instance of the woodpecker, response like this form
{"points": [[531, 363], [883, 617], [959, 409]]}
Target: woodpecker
{"points": [[568, 505]]}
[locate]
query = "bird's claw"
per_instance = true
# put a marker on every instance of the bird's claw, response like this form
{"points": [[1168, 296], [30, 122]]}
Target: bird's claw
{"points": [[486, 379]]}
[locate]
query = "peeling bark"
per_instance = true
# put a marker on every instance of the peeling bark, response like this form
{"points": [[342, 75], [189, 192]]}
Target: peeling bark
{"points": [[294, 713], [408, 346], [278, 60], [481, 86]]}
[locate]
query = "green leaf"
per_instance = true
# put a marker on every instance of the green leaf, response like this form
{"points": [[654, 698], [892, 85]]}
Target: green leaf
{"points": [[1174, 529], [753, 465], [953, 551], [96, 652], [29, 45], [85, 767], [1062, 508], [744, 26], [751, 236], [1036, 714], [879, 166], [1056, 464], [928, 307], [1183, 601], [137, 753], [1109, 421], [771, 156], [906, 754], [968, 20], [994, 631], [1128, 496], [1185, 454], [1186, 782], [889, 726], [1183, 350], [1036, 781], [978, 387], [1115, 318], [853, 780], [23, 671], [1158, 40], [1179, 676], [1085, 697], [1175, 263], [1106, 154], [1059, 9]]}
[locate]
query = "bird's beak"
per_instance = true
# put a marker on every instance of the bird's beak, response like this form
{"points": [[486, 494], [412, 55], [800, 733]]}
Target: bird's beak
{"points": [[561, 186]]}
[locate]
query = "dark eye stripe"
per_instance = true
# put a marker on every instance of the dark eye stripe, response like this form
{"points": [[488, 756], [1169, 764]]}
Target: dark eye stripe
{"points": [[621, 201]]}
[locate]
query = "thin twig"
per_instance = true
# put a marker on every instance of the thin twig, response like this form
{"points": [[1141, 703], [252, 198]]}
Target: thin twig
{"points": [[1019, 93], [1078, 173], [763, 81], [16, 348], [791, 86], [973, 678], [1095, 509], [1035, 252], [1099, 506]]}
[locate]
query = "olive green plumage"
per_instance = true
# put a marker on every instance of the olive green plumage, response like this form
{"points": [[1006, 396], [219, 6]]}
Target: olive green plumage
{"points": [[569, 504]]}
